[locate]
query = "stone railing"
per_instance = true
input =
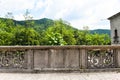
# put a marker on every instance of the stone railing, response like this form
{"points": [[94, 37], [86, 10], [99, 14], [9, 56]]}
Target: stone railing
{"points": [[59, 58]]}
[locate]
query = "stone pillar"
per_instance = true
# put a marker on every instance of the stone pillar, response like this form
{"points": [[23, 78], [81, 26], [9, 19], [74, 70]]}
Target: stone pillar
{"points": [[117, 57], [30, 57], [83, 59]]}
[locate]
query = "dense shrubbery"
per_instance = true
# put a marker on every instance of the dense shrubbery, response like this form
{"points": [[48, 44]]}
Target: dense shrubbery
{"points": [[58, 33]]}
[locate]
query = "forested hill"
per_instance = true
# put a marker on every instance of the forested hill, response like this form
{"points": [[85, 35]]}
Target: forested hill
{"points": [[101, 31], [44, 23], [48, 32]]}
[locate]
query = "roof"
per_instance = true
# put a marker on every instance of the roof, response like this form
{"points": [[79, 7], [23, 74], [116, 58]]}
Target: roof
{"points": [[115, 15]]}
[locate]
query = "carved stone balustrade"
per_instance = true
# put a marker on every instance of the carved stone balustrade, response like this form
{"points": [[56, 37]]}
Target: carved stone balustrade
{"points": [[59, 58]]}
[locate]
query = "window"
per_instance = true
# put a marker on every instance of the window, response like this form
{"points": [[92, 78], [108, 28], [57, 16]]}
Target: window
{"points": [[116, 36]]}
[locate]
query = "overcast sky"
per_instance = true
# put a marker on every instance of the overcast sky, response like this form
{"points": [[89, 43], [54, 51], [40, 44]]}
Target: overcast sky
{"points": [[79, 13]]}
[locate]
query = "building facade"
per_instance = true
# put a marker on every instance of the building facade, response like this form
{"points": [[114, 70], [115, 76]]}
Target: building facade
{"points": [[115, 29]]}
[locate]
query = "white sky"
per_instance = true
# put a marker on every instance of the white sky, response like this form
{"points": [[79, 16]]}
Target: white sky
{"points": [[79, 13]]}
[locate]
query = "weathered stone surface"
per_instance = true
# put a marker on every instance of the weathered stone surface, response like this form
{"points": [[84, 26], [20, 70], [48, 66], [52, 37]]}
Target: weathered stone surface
{"points": [[115, 25], [30, 59], [71, 58], [40, 59], [83, 59], [56, 59], [118, 58], [60, 58]]}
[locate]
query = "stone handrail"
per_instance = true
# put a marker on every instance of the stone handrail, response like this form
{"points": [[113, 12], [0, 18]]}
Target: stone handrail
{"points": [[59, 47]]}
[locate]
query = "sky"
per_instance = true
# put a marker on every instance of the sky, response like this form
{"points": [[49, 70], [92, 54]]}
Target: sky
{"points": [[79, 13]]}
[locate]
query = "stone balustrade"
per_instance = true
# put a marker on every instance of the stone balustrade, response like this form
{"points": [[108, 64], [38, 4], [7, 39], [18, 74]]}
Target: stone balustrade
{"points": [[59, 58]]}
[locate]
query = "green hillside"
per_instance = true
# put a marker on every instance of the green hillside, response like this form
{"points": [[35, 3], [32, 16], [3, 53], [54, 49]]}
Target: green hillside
{"points": [[100, 31], [44, 23], [48, 32]]}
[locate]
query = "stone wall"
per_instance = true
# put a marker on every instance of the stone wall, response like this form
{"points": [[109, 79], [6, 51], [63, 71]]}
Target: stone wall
{"points": [[58, 58], [115, 24]]}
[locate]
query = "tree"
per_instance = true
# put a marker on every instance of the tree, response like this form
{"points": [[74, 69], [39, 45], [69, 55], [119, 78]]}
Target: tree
{"points": [[84, 37], [5, 38], [55, 39], [25, 36], [63, 30], [28, 19]]}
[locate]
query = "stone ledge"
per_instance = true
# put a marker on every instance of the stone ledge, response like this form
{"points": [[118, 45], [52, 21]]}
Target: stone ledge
{"points": [[59, 70], [60, 47], [70, 70]]}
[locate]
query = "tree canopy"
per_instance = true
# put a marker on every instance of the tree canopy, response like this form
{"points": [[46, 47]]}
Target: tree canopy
{"points": [[57, 32]]}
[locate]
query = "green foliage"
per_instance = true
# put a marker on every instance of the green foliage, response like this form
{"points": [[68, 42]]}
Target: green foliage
{"points": [[100, 31], [47, 32], [97, 39], [5, 38], [55, 39], [26, 36], [86, 38], [63, 30], [17, 35], [28, 20]]}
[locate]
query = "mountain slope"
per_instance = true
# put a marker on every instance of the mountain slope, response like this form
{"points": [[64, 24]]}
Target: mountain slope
{"points": [[44, 23], [101, 31]]}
